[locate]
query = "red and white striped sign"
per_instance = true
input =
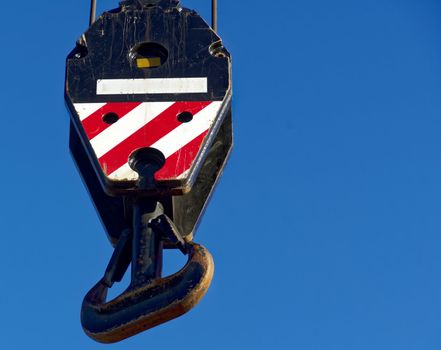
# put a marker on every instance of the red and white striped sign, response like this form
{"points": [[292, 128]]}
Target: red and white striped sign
{"points": [[147, 124]]}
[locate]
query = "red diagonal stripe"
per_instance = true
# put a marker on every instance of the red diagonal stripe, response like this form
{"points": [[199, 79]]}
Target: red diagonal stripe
{"points": [[181, 161], [94, 124], [156, 129]]}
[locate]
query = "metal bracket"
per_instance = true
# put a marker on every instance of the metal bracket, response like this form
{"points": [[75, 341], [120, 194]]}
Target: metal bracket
{"points": [[213, 13]]}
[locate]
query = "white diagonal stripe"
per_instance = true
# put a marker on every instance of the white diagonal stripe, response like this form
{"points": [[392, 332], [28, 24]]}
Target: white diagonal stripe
{"points": [[151, 86], [124, 173], [187, 132], [85, 110], [176, 139], [123, 128]]}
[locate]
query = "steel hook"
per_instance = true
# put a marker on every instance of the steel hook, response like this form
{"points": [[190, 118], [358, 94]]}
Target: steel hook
{"points": [[150, 299], [142, 308]]}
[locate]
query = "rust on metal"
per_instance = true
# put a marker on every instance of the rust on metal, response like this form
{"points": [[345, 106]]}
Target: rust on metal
{"points": [[145, 307]]}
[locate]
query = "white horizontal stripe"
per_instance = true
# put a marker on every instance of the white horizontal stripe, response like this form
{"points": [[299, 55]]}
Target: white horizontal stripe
{"points": [[177, 139], [85, 110], [126, 126], [151, 86]]}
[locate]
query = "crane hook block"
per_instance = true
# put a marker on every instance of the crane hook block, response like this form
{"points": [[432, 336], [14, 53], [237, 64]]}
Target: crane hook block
{"points": [[149, 91]]}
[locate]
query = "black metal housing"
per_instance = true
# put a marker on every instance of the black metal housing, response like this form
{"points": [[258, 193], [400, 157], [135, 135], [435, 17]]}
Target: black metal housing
{"points": [[194, 50]]}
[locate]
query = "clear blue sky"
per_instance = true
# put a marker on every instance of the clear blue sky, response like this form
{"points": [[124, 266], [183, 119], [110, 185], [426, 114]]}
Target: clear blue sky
{"points": [[326, 227]]}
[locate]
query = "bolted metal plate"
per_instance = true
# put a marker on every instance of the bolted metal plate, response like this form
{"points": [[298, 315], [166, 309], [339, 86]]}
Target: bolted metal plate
{"points": [[149, 74]]}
